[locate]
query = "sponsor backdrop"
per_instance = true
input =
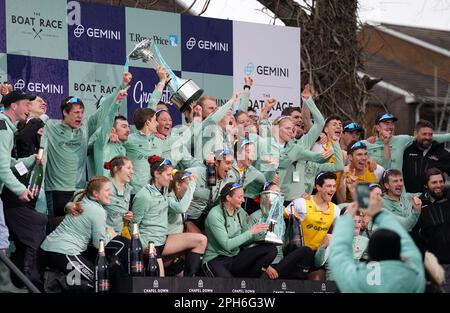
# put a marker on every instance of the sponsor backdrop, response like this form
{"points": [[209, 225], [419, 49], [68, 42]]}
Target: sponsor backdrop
{"points": [[58, 48]]}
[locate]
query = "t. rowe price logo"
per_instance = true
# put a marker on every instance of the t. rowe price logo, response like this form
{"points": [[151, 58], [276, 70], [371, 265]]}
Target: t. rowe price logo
{"points": [[191, 43], [171, 40], [96, 33], [266, 70], [37, 24], [39, 87]]}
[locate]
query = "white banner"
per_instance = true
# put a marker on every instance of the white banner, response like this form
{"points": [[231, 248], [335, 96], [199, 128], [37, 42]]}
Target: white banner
{"points": [[271, 55]]}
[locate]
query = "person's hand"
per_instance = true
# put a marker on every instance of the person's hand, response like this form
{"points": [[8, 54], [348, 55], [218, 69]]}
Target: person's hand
{"points": [[248, 80], [351, 209], [375, 204], [193, 177], [111, 231], [371, 139], [235, 96], [39, 161], [326, 240], [113, 137], [323, 139], [128, 216], [271, 273], [385, 136], [40, 131], [126, 78], [73, 209], [5, 89], [327, 153], [417, 204], [162, 74], [198, 111], [258, 228], [372, 164], [160, 136], [122, 94], [26, 196], [307, 92]]}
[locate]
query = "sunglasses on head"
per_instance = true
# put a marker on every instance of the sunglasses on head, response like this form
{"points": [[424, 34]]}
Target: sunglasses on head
{"points": [[223, 152], [73, 100], [186, 175], [352, 127], [358, 145], [165, 162], [234, 186], [158, 112]]}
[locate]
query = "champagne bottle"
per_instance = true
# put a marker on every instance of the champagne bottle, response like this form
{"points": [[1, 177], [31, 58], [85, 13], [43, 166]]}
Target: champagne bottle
{"points": [[135, 260], [101, 270], [295, 233], [152, 267], [36, 175]]}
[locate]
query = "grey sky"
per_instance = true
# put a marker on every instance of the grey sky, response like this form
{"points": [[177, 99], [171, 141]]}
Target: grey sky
{"points": [[421, 13]]}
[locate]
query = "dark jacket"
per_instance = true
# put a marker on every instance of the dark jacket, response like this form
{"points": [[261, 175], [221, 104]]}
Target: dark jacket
{"points": [[27, 138], [415, 164], [434, 226]]}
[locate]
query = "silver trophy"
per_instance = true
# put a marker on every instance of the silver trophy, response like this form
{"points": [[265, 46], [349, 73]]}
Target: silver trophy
{"points": [[272, 214], [183, 91]]}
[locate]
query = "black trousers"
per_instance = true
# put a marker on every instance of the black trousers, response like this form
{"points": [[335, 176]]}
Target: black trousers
{"points": [[292, 265], [82, 266], [56, 202], [249, 262], [27, 230]]}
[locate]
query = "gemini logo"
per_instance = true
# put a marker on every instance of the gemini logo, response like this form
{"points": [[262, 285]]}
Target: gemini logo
{"points": [[39, 87], [265, 70], [249, 68], [190, 44], [78, 31], [96, 33], [206, 45]]}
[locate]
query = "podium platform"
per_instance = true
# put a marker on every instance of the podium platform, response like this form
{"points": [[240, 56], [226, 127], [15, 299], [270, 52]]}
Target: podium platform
{"points": [[223, 285]]}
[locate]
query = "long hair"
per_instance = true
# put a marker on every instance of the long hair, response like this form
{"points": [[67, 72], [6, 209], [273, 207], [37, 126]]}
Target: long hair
{"points": [[94, 184]]}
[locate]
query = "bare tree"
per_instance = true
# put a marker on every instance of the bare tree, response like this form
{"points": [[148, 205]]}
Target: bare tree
{"points": [[330, 54]]}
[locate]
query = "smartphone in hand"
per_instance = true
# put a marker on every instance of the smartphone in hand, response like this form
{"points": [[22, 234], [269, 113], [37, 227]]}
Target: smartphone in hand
{"points": [[363, 195]]}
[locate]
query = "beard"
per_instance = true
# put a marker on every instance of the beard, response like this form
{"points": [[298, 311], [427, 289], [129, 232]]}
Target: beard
{"points": [[436, 194]]}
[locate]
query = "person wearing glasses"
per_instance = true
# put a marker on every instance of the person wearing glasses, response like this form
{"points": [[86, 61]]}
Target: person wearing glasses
{"points": [[205, 195], [243, 171], [358, 170], [406, 207], [388, 149], [150, 212], [227, 230], [65, 146]]}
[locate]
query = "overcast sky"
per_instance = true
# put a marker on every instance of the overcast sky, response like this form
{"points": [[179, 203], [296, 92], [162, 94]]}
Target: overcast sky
{"points": [[421, 13]]}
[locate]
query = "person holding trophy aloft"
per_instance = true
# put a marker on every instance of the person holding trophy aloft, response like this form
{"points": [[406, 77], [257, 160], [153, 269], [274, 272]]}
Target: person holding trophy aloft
{"points": [[227, 230]]}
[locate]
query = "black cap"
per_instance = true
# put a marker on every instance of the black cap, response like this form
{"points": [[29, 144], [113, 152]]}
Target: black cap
{"points": [[16, 95], [383, 116]]}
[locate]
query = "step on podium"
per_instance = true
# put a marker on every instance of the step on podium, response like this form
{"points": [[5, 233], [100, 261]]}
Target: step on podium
{"points": [[223, 285]]}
